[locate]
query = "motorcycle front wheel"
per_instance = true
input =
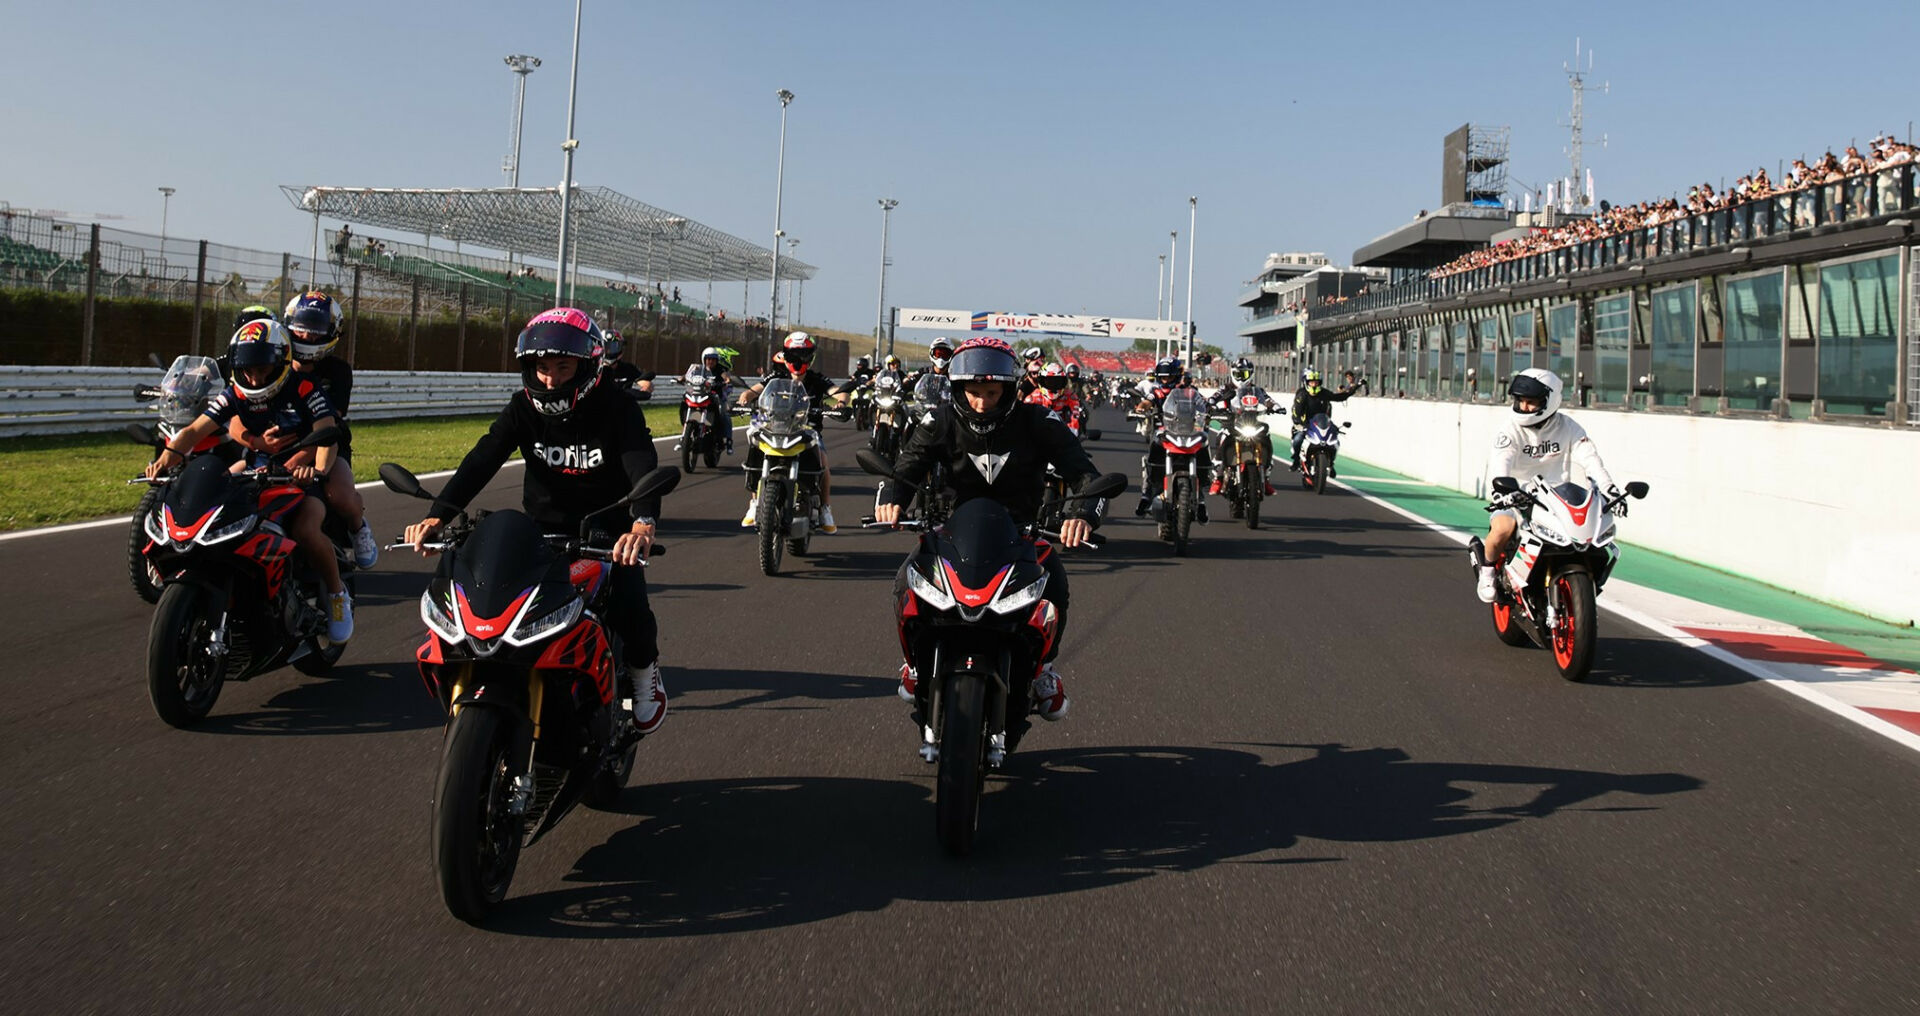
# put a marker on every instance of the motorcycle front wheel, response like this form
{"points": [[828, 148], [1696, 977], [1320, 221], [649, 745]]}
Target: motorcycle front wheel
{"points": [[183, 680], [1573, 628], [1182, 513], [1320, 472], [141, 572], [688, 453], [963, 762], [773, 498], [476, 840], [1252, 488]]}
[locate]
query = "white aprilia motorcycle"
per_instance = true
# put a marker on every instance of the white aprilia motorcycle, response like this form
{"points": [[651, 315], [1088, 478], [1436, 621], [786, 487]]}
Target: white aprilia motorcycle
{"points": [[1544, 591]]}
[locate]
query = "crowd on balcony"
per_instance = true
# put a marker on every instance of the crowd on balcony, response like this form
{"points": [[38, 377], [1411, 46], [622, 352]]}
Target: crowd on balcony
{"points": [[1884, 151]]}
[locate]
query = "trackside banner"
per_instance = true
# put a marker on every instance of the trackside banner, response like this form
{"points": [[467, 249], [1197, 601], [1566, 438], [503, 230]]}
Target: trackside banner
{"points": [[1047, 324]]}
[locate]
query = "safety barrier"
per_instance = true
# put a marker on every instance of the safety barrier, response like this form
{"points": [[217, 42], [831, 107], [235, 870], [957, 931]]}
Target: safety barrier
{"points": [[79, 400]]}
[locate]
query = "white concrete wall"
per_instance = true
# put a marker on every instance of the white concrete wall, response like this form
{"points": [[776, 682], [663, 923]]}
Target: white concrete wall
{"points": [[1829, 511]]}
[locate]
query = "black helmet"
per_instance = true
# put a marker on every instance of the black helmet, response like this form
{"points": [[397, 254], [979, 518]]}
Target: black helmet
{"points": [[263, 343], [1242, 370], [1167, 372], [984, 359]]}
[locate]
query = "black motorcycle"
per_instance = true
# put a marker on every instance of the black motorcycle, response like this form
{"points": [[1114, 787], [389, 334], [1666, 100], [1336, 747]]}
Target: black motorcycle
{"points": [[531, 679], [973, 618], [178, 400], [238, 597]]}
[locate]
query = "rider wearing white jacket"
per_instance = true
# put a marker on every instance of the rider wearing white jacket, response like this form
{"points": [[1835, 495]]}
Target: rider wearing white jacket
{"points": [[1537, 440]]}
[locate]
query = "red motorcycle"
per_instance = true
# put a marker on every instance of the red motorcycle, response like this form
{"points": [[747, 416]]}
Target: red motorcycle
{"points": [[1179, 441], [701, 432]]}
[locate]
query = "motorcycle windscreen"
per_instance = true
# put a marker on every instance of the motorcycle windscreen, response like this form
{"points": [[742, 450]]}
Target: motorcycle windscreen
{"points": [[931, 389], [201, 487], [698, 381], [505, 557], [782, 408], [1574, 494], [979, 539], [1320, 427], [1181, 413]]}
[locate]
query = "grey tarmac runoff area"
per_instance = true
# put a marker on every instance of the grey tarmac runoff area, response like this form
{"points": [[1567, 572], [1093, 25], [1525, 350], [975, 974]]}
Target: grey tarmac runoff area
{"points": [[1300, 774]]}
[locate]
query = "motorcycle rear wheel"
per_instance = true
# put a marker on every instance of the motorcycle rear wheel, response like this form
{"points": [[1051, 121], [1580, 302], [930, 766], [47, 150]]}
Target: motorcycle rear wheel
{"points": [[183, 682], [1573, 631], [1506, 627], [476, 841], [605, 786], [141, 572], [963, 762], [773, 496]]}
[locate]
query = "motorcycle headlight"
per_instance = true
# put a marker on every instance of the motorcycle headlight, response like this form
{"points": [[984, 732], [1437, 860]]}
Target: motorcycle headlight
{"points": [[923, 587], [441, 620], [213, 536], [1546, 530], [526, 631], [1248, 430], [1020, 599]]}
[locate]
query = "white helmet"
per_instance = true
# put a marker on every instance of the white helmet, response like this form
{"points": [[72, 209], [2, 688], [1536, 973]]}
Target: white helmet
{"points": [[1540, 385]]}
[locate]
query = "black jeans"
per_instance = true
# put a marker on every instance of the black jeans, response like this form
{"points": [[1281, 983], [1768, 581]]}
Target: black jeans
{"points": [[630, 616]]}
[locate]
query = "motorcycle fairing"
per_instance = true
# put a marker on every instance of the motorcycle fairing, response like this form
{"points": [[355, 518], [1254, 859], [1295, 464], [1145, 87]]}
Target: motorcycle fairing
{"points": [[585, 649], [273, 554]]}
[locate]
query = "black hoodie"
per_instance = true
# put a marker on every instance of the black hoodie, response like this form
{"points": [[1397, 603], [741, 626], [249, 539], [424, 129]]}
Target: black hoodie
{"points": [[576, 464]]}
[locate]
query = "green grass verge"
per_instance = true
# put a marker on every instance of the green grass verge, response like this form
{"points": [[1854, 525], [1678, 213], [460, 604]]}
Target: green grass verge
{"points": [[46, 481]]}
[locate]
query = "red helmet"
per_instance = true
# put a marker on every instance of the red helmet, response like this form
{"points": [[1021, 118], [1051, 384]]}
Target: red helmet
{"points": [[797, 352]]}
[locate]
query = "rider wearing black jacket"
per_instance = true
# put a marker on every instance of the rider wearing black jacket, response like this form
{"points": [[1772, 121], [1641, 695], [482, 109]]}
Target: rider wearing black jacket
{"points": [[999, 448], [585, 444], [1311, 401]]}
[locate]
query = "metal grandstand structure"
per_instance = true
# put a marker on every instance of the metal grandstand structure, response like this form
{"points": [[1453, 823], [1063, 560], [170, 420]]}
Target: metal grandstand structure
{"points": [[611, 232]]}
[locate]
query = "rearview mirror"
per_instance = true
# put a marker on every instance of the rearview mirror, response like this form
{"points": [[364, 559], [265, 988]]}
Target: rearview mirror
{"points": [[154, 358], [400, 481], [1637, 489], [145, 393], [872, 462], [1505, 485]]}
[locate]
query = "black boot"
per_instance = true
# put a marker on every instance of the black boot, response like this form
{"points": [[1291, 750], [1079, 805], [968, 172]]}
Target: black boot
{"points": [[1146, 502]]}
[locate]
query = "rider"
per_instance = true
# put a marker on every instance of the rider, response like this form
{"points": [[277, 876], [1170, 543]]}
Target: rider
{"points": [[1075, 383], [987, 424], [1537, 440], [796, 355], [1311, 401], [1054, 395], [715, 365], [313, 322], [1168, 376], [265, 395], [938, 353], [585, 444], [892, 366], [1227, 401], [862, 377], [1035, 359]]}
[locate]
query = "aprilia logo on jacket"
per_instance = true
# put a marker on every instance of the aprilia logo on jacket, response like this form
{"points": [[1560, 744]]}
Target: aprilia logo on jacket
{"points": [[570, 457]]}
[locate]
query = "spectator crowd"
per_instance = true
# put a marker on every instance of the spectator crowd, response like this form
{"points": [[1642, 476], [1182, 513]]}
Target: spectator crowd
{"points": [[1883, 152]]}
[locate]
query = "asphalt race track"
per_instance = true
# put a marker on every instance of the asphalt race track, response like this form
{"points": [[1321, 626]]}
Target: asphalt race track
{"points": [[1300, 772]]}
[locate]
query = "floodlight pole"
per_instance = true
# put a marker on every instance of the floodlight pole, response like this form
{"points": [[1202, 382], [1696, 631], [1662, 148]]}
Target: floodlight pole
{"points": [[793, 316], [887, 205], [1193, 220], [1173, 265], [779, 181], [1159, 282], [521, 65], [313, 260], [166, 198], [566, 183]]}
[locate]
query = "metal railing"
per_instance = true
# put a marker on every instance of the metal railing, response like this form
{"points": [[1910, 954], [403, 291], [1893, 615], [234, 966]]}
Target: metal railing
{"points": [[80, 400]]}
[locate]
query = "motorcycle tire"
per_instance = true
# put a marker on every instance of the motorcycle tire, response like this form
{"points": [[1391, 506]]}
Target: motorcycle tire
{"points": [[145, 577], [180, 682], [1252, 487], [712, 454], [773, 497], [963, 762], [688, 453], [476, 841], [1320, 473], [1573, 635], [1507, 626], [605, 786], [1182, 514]]}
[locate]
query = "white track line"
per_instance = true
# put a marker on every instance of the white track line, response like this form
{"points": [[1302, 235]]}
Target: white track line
{"points": [[1751, 667], [124, 519]]}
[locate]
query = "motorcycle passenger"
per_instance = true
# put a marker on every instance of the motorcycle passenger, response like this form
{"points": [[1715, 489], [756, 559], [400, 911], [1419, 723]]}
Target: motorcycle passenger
{"points": [[1227, 401], [1035, 360], [1311, 401], [986, 423], [1168, 376], [266, 394], [585, 444], [313, 322], [1537, 440], [796, 355]]}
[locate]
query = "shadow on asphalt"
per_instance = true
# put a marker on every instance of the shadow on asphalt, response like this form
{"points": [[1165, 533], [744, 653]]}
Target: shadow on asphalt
{"points": [[717, 856], [785, 689], [367, 698], [1654, 663]]}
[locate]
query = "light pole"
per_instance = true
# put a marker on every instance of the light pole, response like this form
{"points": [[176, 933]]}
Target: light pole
{"points": [[779, 181], [521, 65], [1173, 265], [166, 198], [792, 317], [566, 180], [1193, 219], [1159, 282], [887, 205]]}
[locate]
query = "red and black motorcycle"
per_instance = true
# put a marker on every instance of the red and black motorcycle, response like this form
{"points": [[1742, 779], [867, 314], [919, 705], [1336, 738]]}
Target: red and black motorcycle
{"points": [[1179, 440], [530, 676], [703, 430], [973, 620], [238, 598]]}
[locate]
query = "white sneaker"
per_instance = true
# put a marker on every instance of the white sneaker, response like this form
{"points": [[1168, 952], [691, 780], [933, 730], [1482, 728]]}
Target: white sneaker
{"points": [[826, 520], [751, 518], [1484, 587], [1050, 695], [366, 549], [649, 703], [339, 617]]}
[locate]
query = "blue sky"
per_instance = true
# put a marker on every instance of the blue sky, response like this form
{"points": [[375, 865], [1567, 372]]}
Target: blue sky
{"points": [[1040, 152]]}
